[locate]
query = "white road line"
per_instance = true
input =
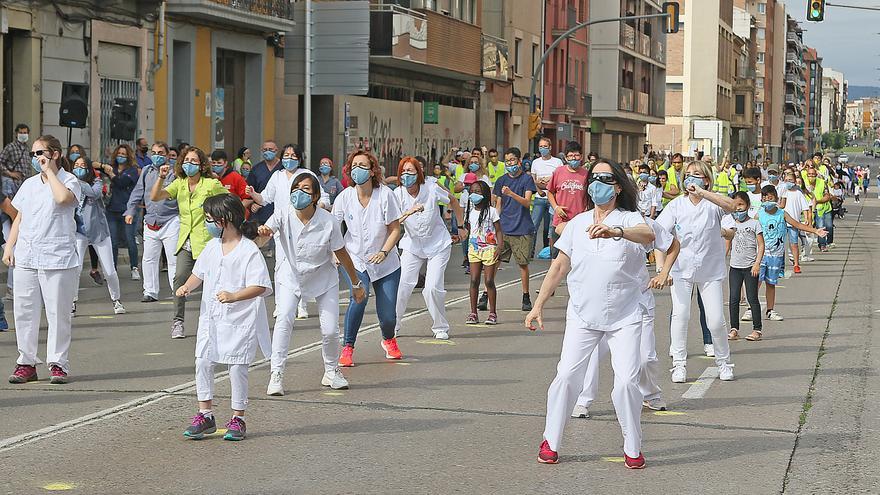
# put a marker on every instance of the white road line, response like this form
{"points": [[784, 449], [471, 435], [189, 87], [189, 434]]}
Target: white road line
{"points": [[50, 431], [701, 386]]}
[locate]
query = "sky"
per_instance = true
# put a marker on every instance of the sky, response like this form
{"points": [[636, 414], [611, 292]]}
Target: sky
{"points": [[845, 38]]}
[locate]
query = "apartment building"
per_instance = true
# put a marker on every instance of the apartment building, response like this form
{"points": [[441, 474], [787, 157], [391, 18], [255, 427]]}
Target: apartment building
{"points": [[522, 31], [832, 110], [743, 123], [842, 96], [795, 90], [813, 94]]}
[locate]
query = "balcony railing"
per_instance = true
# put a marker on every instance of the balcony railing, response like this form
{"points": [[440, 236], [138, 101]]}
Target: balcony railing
{"points": [[642, 101], [644, 44], [628, 36], [271, 8], [398, 33], [496, 58], [790, 120], [263, 15], [657, 52], [625, 99]]}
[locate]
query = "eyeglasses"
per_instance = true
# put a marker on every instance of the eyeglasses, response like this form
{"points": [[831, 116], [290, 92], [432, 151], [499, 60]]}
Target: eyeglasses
{"points": [[39, 153], [603, 177]]}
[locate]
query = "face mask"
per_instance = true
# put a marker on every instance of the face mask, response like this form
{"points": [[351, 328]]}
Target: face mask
{"points": [[408, 180], [751, 187], [693, 181], [544, 150], [325, 169], [300, 199], [652, 179], [769, 206], [290, 163], [74, 157], [36, 164], [268, 155], [452, 167], [158, 160], [190, 169], [601, 193], [172, 161], [574, 164], [360, 175], [512, 169], [245, 172], [772, 178], [644, 177], [740, 216], [476, 198], [214, 229], [23, 138], [80, 173], [218, 169], [786, 185], [121, 159], [473, 167]]}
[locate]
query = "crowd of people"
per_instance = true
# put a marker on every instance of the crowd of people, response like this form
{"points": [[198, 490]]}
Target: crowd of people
{"points": [[616, 232]]}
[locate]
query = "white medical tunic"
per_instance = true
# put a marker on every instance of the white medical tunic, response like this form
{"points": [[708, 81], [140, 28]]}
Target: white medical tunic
{"points": [[367, 228], [425, 234]]}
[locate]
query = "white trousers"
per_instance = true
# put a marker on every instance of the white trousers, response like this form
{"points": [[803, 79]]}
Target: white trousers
{"points": [[238, 379], [33, 289], [154, 242], [434, 291], [104, 248], [713, 300], [577, 347], [650, 365], [286, 302], [7, 227]]}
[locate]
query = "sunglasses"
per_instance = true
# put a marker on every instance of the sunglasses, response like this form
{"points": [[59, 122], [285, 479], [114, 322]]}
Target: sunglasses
{"points": [[46, 153], [603, 177]]}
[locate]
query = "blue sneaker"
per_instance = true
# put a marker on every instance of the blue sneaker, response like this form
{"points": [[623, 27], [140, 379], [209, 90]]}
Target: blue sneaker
{"points": [[201, 425], [235, 429], [4, 325]]}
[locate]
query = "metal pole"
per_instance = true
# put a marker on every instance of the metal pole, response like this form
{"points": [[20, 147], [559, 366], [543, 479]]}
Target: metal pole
{"points": [[307, 110]]}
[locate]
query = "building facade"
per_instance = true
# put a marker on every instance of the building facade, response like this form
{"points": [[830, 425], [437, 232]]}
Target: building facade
{"points": [[795, 92], [744, 144], [813, 104]]}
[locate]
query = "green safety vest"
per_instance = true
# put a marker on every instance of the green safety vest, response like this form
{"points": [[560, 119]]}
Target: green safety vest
{"points": [[722, 184], [495, 172]]}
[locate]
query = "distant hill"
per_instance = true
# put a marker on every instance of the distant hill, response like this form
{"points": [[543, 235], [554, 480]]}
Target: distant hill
{"points": [[856, 92]]}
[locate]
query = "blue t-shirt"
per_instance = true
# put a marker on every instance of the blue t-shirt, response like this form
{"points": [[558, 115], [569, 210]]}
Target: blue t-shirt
{"points": [[515, 218], [773, 227]]}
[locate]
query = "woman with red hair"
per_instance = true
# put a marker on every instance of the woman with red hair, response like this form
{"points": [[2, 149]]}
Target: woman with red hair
{"points": [[425, 240], [371, 214]]}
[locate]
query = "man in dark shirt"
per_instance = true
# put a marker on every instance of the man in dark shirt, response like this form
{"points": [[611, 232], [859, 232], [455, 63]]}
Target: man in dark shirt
{"points": [[259, 177], [141, 154]]}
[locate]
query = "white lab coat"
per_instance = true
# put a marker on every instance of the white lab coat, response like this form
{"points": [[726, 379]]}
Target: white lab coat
{"points": [[368, 229]]}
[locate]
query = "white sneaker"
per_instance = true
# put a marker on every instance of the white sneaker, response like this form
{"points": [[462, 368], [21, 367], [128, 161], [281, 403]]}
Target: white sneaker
{"points": [[441, 336], [177, 331], [655, 404], [725, 372], [276, 383], [774, 316], [709, 349], [135, 274], [747, 315], [334, 380], [118, 308], [807, 259], [580, 412], [302, 311], [679, 373]]}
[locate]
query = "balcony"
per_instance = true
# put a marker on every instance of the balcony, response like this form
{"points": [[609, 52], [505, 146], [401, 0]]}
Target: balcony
{"points": [[496, 58], [644, 44], [398, 33], [455, 47], [625, 100], [793, 38], [793, 59], [790, 79], [642, 103], [657, 52], [790, 120], [628, 36], [263, 15], [790, 99]]}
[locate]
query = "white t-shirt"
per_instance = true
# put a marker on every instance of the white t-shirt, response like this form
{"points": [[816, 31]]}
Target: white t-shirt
{"points": [[367, 228], [425, 233], [744, 247], [543, 169], [648, 198], [47, 232], [796, 204], [698, 229], [662, 241], [482, 234], [754, 203]]}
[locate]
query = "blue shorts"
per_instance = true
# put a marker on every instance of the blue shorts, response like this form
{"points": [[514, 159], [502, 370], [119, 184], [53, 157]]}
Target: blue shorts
{"points": [[793, 235], [772, 268]]}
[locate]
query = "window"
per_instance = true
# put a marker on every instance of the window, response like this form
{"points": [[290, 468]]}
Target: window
{"points": [[762, 8], [760, 57], [761, 33], [517, 44], [760, 133], [536, 57], [759, 107], [740, 104], [674, 87], [759, 82]]}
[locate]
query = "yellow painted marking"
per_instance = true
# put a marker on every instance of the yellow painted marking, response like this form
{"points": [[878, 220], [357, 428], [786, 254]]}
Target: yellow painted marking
{"points": [[154, 354], [482, 325], [781, 286], [511, 310], [707, 357], [333, 394], [55, 487], [612, 459], [436, 342], [402, 364], [166, 303], [219, 433], [669, 413], [105, 317]]}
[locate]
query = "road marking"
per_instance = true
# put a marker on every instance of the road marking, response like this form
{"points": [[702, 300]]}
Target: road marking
{"points": [[154, 354], [435, 342], [111, 412], [101, 317], [166, 303], [56, 487], [669, 413], [612, 459], [333, 394], [701, 386]]}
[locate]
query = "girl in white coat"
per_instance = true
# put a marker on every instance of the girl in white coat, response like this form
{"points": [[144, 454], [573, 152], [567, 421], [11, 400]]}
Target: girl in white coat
{"points": [[695, 219], [94, 230], [309, 237], [41, 248], [602, 253], [232, 316], [425, 240]]}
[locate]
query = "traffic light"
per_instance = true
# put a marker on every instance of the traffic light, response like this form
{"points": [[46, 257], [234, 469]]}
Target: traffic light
{"points": [[815, 10], [672, 18], [534, 124]]}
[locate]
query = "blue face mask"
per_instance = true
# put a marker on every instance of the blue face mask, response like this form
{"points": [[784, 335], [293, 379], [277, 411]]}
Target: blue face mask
{"points": [[751, 187], [544, 151], [290, 163], [190, 169], [36, 164], [772, 178], [325, 169], [218, 169], [214, 229], [740, 216], [121, 159], [652, 179], [300, 199], [512, 169], [80, 173], [473, 167], [407, 180], [268, 155], [785, 186], [769, 206], [245, 172], [575, 164], [644, 177], [694, 181], [74, 157], [158, 160], [476, 198], [360, 175], [601, 193], [172, 161]]}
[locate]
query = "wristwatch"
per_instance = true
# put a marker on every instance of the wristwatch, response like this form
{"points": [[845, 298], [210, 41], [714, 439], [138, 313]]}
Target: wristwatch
{"points": [[359, 285]]}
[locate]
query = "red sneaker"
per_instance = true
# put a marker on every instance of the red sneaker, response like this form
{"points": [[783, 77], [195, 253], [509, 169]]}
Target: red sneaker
{"points": [[391, 349], [23, 374], [346, 360], [797, 268], [634, 463], [59, 376], [547, 456]]}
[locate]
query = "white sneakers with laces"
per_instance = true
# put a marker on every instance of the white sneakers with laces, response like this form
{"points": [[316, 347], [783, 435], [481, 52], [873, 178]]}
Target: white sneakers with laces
{"points": [[276, 384], [334, 379], [725, 372], [118, 308], [580, 411], [440, 336], [679, 373], [747, 315], [135, 273], [774, 316], [709, 349]]}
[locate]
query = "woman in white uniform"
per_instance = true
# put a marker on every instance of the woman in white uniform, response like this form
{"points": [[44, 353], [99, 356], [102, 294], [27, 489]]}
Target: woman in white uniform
{"points": [[41, 248], [695, 219], [94, 230], [309, 237], [603, 255], [425, 240]]}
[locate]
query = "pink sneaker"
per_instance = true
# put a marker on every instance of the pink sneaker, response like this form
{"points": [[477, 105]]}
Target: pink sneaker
{"points": [[546, 455], [23, 373], [59, 376]]}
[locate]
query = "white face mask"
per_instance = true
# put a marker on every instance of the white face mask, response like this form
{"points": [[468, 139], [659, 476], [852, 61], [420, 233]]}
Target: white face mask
{"points": [[23, 138]]}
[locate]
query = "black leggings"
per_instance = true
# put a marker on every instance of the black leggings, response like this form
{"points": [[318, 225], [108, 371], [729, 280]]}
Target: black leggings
{"points": [[736, 277]]}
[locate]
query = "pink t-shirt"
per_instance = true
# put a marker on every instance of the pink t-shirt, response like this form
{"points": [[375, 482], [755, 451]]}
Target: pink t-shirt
{"points": [[570, 190]]}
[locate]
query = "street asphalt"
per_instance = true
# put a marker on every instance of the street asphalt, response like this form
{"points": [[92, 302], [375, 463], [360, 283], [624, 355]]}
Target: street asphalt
{"points": [[464, 416]]}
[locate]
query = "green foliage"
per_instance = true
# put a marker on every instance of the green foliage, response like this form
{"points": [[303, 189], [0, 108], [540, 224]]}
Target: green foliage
{"points": [[834, 140]]}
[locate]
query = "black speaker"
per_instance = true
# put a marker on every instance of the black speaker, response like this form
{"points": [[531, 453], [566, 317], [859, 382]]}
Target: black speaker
{"points": [[74, 110], [123, 119]]}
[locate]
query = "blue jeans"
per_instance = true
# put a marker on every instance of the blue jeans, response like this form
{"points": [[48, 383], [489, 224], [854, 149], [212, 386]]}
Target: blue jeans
{"points": [[826, 222], [122, 233], [385, 290], [707, 335], [541, 212]]}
